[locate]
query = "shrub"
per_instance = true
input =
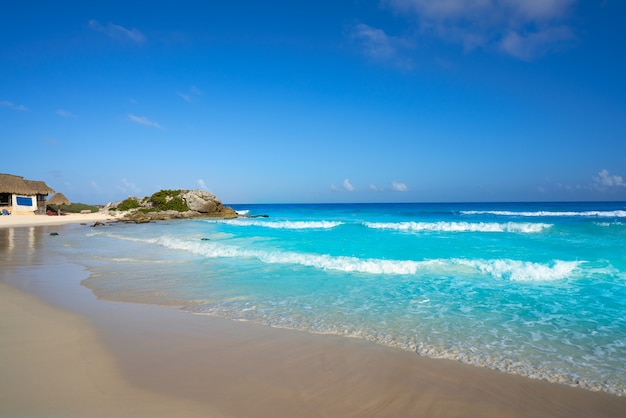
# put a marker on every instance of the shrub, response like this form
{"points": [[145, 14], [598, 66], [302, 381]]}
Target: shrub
{"points": [[176, 203], [128, 204], [168, 200], [73, 208]]}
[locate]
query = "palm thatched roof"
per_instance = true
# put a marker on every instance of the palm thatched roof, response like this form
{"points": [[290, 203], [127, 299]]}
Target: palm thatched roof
{"points": [[18, 185], [59, 199]]}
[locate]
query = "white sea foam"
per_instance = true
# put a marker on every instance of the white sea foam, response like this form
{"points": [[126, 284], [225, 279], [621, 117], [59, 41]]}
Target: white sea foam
{"points": [[543, 213], [280, 224], [525, 227], [137, 260], [517, 270], [514, 270], [242, 212], [609, 224], [320, 261]]}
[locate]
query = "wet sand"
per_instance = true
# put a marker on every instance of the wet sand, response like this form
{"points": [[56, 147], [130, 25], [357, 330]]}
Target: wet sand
{"points": [[65, 353]]}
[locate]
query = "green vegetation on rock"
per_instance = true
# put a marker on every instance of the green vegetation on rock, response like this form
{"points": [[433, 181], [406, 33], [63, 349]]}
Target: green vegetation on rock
{"points": [[174, 204], [168, 200], [161, 201], [73, 208], [128, 204]]}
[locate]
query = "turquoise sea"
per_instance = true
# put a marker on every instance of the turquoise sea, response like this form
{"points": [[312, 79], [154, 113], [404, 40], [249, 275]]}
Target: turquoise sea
{"points": [[536, 289]]}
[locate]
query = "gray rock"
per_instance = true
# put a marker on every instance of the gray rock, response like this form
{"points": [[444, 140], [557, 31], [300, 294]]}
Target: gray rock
{"points": [[201, 204], [201, 201]]}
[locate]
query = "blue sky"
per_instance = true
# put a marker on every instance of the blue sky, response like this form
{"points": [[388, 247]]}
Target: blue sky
{"points": [[325, 101]]}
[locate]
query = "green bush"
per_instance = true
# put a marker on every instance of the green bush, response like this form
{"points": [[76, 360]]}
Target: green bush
{"points": [[159, 201], [128, 204], [168, 200], [73, 208]]}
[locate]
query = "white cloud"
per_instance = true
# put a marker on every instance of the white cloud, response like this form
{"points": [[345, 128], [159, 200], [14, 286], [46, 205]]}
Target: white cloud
{"points": [[142, 120], [346, 186], [65, 114], [605, 180], [534, 44], [483, 12], [399, 187], [118, 32], [129, 187], [202, 184], [375, 188], [524, 29], [185, 97], [95, 186], [188, 96], [538, 10], [13, 106], [381, 47]]}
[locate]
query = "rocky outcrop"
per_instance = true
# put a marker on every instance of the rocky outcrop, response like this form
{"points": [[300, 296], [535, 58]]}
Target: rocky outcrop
{"points": [[201, 201], [186, 203]]}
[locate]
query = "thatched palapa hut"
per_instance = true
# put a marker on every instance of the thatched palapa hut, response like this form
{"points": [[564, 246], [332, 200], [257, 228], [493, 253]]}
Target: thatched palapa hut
{"points": [[21, 196], [58, 200]]}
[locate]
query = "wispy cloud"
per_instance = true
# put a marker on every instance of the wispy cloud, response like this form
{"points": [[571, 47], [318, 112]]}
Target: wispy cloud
{"points": [[189, 95], [604, 180], [523, 29], [395, 186], [14, 106], [142, 120], [381, 47], [184, 96], [202, 185], [65, 114], [399, 187], [530, 45], [94, 186], [118, 32], [128, 187], [345, 186]]}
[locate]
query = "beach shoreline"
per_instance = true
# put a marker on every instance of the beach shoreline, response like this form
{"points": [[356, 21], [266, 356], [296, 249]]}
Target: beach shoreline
{"points": [[14, 221], [98, 358]]}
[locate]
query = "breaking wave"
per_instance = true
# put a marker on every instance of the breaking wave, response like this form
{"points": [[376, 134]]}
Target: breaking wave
{"points": [[281, 224], [460, 226], [543, 213], [514, 270]]}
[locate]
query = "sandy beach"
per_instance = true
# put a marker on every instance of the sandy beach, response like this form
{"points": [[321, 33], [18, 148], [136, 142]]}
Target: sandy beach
{"points": [[65, 353], [39, 220]]}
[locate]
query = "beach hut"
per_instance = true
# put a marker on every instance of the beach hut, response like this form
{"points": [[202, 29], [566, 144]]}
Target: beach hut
{"points": [[23, 197], [58, 200]]}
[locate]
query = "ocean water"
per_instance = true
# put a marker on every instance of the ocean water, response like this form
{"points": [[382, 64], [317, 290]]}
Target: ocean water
{"points": [[532, 289]]}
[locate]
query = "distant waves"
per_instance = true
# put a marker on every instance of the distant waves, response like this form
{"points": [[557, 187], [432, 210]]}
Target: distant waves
{"points": [[507, 269], [460, 226], [513, 227], [547, 214]]}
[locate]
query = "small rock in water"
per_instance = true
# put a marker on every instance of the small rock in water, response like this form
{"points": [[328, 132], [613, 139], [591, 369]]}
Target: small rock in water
{"points": [[205, 239], [54, 233]]}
